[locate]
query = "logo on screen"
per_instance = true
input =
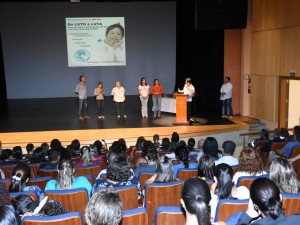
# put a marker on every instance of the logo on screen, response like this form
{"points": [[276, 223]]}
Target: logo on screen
{"points": [[82, 55]]}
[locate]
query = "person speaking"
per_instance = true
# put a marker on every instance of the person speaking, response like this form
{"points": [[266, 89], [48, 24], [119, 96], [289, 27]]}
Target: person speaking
{"points": [[189, 90]]}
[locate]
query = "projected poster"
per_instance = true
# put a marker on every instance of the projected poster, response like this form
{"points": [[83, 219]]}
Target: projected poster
{"points": [[96, 41]]}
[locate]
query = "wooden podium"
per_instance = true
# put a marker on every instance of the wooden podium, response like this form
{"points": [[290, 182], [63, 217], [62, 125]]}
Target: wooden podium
{"points": [[181, 109]]}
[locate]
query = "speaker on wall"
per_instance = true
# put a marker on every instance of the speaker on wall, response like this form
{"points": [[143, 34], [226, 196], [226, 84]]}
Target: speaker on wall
{"points": [[220, 14]]}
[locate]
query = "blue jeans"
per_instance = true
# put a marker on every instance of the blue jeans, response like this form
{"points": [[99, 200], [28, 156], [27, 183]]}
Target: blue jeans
{"points": [[156, 104], [82, 107], [100, 107], [227, 105]]}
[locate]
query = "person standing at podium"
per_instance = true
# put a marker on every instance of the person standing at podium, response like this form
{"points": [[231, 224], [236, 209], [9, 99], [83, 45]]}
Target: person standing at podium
{"points": [[189, 90]]}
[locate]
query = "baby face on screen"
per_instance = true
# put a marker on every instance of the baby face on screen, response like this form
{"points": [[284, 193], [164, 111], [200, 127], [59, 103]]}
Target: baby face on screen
{"points": [[114, 35]]}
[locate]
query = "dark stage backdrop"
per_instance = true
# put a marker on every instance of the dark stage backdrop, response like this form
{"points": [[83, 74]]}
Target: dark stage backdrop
{"points": [[200, 56], [35, 50]]}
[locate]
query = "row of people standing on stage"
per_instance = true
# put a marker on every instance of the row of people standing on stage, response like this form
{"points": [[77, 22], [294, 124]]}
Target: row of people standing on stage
{"points": [[118, 93]]}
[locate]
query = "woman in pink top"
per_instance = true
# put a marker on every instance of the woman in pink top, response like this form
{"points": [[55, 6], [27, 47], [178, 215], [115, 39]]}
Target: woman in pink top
{"points": [[157, 91]]}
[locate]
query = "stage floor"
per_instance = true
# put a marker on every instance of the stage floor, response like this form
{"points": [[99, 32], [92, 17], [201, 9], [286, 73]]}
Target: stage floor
{"points": [[36, 121], [27, 115]]}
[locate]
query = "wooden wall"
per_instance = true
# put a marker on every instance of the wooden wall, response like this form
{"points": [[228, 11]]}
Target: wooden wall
{"points": [[275, 51]]}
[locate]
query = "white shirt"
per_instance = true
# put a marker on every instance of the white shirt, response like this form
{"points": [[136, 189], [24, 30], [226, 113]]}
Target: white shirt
{"points": [[144, 90], [189, 90], [110, 54], [239, 174], [227, 89], [119, 94], [229, 160]]}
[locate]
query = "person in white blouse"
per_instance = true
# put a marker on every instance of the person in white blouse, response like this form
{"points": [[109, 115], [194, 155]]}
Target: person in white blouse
{"points": [[226, 97], [144, 91], [189, 90], [118, 93]]}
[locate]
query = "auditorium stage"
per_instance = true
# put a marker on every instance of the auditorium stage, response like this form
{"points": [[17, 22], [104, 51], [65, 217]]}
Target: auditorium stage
{"points": [[40, 120]]}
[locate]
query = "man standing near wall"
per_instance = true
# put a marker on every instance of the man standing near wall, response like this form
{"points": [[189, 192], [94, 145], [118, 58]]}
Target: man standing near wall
{"points": [[81, 91], [226, 97]]}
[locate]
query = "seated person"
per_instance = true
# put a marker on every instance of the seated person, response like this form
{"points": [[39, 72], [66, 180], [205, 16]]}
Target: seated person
{"points": [[105, 208], [7, 215], [223, 187], [164, 171], [182, 156], [17, 153], [288, 148], [87, 157], [67, 179], [279, 135], [54, 158], [151, 158], [118, 174], [206, 167], [20, 177], [265, 205], [228, 150], [250, 164], [38, 156], [4, 195]]}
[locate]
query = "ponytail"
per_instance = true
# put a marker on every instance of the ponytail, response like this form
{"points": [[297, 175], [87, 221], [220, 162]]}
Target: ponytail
{"points": [[16, 183], [20, 174], [66, 175], [182, 155], [274, 208], [202, 212]]}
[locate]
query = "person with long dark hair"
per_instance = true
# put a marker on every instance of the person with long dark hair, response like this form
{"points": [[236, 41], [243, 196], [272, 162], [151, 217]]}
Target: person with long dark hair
{"points": [[223, 187], [99, 94], [182, 156], [265, 206]]}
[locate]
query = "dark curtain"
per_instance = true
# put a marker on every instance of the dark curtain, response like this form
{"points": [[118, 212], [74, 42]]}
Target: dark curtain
{"points": [[200, 56], [3, 96]]}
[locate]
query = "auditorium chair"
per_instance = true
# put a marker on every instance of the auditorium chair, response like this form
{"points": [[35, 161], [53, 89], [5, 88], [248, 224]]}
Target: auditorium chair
{"points": [[74, 200], [209, 182], [162, 194], [169, 215], [247, 180], [128, 195], [136, 156], [44, 172], [91, 178], [278, 145], [144, 176], [137, 216], [291, 204], [296, 164], [39, 181], [186, 173], [83, 170], [227, 207], [32, 193], [71, 218], [35, 168], [6, 182], [235, 168]]}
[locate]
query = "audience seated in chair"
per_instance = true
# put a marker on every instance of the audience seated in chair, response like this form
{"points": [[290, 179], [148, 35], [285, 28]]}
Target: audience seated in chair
{"points": [[118, 174], [20, 177], [54, 158], [4, 195], [228, 151], [38, 156], [150, 153], [182, 156], [105, 208], [283, 175], [67, 179], [250, 164], [164, 171], [206, 167], [279, 135], [265, 206], [223, 187], [195, 198], [87, 157]]}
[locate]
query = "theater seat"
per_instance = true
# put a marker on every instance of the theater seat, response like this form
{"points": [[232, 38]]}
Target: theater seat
{"points": [[73, 218], [228, 207], [291, 204], [169, 215], [138, 216]]}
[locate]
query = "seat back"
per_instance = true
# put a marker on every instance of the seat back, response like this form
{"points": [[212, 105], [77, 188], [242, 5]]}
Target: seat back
{"points": [[235, 168], [162, 194], [144, 176], [128, 195], [209, 182], [48, 172], [32, 193], [169, 215], [83, 170], [90, 178], [260, 144], [136, 156], [186, 173], [247, 180], [39, 181], [34, 168], [72, 218], [138, 216], [74, 200], [296, 164], [5, 181], [290, 203], [7, 166], [227, 207], [264, 157], [278, 145]]}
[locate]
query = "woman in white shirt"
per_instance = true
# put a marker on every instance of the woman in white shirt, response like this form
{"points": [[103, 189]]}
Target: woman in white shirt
{"points": [[118, 93], [144, 91]]}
